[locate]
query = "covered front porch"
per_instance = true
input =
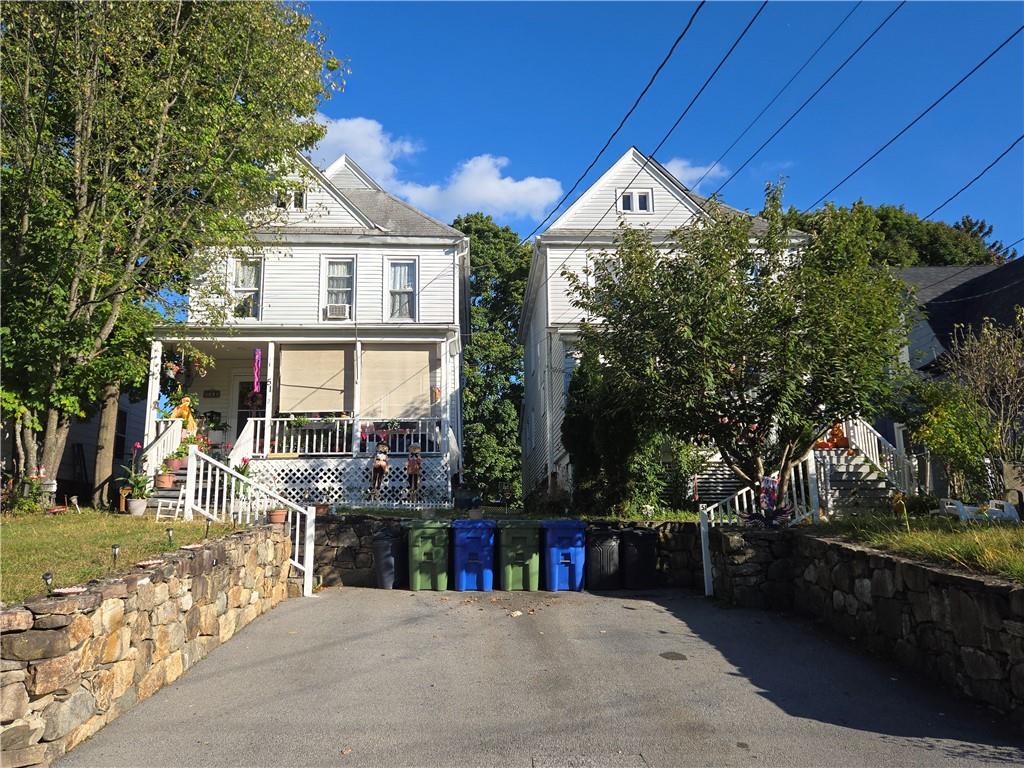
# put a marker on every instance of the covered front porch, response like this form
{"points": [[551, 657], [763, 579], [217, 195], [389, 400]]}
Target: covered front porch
{"points": [[307, 415]]}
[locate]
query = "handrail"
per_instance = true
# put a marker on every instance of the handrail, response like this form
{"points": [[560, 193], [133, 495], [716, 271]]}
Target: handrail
{"points": [[219, 493], [802, 494], [244, 445], [165, 443], [880, 452]]}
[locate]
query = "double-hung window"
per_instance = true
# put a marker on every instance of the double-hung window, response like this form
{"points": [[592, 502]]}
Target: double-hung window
{"points": [[340, 288], [246, 288], [634, 200], [402, 289]]}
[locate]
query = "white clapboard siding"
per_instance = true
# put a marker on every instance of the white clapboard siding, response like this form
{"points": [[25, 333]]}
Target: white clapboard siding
{"points": [[596, 206], [559, 293]]}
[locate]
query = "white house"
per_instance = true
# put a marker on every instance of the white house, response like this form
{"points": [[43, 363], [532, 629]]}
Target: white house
{"points": [[345, 331], [636, 190]]}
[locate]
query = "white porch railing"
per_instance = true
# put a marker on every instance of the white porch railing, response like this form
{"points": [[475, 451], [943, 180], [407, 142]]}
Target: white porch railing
{"points": [[318, 437], [168, 438], [289, 437], [801, 495], [219, 493], [880, 452], [245, 443], [399, 434]]}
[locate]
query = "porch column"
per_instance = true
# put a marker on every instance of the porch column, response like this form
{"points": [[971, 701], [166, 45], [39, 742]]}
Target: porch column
{"points": [[156, 352], [268, 398], [357, 361]]}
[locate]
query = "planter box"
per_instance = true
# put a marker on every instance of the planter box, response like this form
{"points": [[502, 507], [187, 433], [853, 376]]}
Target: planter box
{"points": [[137, 507], [164, 481]]}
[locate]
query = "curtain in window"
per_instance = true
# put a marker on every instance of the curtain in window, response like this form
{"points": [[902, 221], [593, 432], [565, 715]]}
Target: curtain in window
{"points": [[339, 282], [247, 274], [403, 281]]}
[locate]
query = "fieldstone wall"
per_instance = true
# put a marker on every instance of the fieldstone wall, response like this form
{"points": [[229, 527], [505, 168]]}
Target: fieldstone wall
{"points": [[965, 630], [71, 664], [344, 549]]}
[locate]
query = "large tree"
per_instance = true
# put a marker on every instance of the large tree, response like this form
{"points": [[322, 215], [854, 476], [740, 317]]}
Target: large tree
{"points": [[907, 240], [756, 340], [494, 356], [139, 138]]}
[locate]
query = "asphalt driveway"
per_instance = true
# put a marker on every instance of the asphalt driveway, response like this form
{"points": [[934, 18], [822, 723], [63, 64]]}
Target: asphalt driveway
{"points": [[357, 677]]}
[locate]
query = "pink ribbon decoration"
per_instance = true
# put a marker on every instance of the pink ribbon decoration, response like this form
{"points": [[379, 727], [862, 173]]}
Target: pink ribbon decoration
{"points": [[257, 363]]}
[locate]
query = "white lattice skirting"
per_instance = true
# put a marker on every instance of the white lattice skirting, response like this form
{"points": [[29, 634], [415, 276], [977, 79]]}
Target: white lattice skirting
{"points": [[345, 481]]}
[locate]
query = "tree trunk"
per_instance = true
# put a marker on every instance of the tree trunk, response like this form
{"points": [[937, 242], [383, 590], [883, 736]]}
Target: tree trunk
{"points": [[55, 436], [106, 435]]}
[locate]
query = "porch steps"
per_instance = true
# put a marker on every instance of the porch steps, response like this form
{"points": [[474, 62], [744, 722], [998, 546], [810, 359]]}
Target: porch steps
{"points": [[716, 482], [855, 486]]}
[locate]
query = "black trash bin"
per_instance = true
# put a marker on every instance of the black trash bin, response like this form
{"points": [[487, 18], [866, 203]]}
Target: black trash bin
{"points": [[638, 552], [602, 559], [388, 559]]}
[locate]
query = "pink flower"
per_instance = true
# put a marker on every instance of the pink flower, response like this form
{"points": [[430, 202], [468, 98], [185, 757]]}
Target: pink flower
{"points": [[137, 445], [245, 460]]}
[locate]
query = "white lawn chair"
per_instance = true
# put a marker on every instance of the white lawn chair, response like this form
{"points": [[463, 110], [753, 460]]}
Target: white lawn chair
{"points": [[1002, 510], [996, 510], [165, 508]]}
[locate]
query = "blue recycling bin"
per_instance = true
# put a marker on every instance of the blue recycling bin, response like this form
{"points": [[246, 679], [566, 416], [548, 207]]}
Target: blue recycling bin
{"points": [[474, 554], [564, 548]]}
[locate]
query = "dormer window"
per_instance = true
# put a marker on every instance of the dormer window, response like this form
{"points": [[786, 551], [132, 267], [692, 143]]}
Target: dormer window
{"points": [[634, 200], [299, 199], [294, 200]]}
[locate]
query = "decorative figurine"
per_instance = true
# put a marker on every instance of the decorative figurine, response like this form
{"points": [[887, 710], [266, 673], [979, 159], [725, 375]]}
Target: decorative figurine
{"points": [[414, 471], [183, 411], [378, 469]]}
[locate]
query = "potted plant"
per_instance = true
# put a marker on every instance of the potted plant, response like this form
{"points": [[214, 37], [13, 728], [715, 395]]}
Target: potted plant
{"points": [[178, 459], [215, 427], [164, 478], [277, 516], [137, 482]]}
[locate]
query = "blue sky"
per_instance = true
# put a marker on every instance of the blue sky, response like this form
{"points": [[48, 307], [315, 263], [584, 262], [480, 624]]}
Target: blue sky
{"points": [[500, 106]]}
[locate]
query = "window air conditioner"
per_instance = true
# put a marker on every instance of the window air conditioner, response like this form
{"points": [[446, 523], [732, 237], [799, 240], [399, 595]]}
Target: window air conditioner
{"points": [[338, 311]]}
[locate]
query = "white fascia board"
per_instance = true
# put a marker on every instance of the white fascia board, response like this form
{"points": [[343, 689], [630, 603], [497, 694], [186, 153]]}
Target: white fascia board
{"points": [[336, 193]]}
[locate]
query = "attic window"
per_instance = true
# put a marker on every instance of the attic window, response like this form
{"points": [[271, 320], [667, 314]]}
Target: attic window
{"points": [[634, 201], [299, 199]]}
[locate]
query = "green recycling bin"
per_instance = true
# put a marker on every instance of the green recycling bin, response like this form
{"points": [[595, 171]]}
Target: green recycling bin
{"points": [[428, 554], [519, 555]]}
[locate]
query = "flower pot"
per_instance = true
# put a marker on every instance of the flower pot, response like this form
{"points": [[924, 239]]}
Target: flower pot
{"points": [[175, 464], [321, 510], [137, 507], [164, 480], [277, 516], [215, 436]]}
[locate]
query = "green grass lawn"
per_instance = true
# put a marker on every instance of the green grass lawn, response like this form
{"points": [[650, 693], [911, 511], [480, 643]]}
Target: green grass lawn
{"points": [[76, 548], [992, 548]]}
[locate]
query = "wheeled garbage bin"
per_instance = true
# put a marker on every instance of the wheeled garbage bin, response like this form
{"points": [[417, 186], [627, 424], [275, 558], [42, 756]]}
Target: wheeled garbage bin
{"points": [[388, 559], [519, 555], [603, 572], [638, 556], [563, 555], [473, 541], [428, 554]]}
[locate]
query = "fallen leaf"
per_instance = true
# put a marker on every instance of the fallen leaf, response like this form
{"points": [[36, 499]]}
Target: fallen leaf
{"points": [[516, 614], [345, 751]]}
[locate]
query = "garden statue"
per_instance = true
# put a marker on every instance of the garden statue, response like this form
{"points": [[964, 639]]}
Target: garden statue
{"points": [[183, 411], [378, 469], [414, 471]]}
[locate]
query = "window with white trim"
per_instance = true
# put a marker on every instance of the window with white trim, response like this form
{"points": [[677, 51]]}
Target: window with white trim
{"points": [[402, 289], [339, 288], [245, 287], [634, 200]]}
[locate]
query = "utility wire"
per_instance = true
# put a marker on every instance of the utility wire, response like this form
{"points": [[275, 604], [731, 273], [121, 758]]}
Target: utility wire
{"points": [[966, 186], [977, 295], [913, 122], [668, 134], [622, 122], [808, 100], [777, 95]]}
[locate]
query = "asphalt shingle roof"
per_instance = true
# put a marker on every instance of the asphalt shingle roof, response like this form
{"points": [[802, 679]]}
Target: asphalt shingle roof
{"points": [[398, 217]]}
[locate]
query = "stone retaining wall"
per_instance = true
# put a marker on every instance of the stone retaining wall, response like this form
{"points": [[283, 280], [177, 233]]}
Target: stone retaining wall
{"points": [[344, 549], [69, 665], [962, 629]]}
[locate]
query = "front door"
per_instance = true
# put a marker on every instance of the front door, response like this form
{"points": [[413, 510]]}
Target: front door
{"points": [[251, 405]]}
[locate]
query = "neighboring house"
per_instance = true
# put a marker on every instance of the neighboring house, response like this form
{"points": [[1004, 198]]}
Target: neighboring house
{"points": [[346, 331], [636, 190]]}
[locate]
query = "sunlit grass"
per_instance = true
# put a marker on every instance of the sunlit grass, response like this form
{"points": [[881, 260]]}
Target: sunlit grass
{"points": [[76, 548], [993, 548]]}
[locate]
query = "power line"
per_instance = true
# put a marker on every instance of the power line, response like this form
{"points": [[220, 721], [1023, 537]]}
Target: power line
{"points": [[966, 186], [622, 122], [817, 90], [778, 94], [913, 122], [978, 295]]}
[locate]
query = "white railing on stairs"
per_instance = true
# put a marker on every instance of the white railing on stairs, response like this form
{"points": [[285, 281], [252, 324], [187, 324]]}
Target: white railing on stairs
{"points": [[802, 495], [166, 442], [219, 493], [884, 455], [245, 446]]}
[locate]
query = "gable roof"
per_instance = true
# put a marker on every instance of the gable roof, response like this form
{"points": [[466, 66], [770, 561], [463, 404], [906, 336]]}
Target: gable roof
{"points": [[383, 211]]}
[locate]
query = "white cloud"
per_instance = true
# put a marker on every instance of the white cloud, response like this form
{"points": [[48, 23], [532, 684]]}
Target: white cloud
{"points": [[690, 174], [477, 184], [367, 142], [480, 185]]}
